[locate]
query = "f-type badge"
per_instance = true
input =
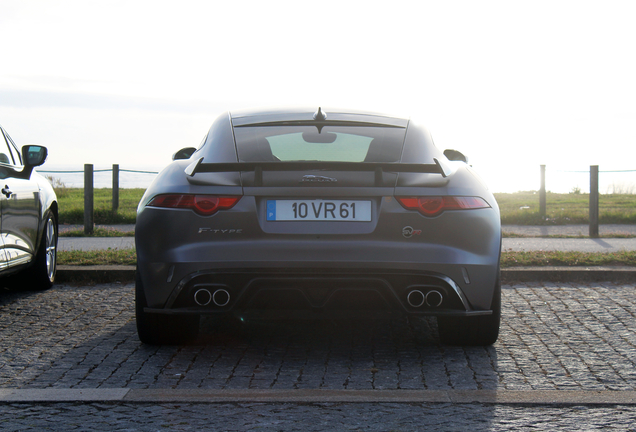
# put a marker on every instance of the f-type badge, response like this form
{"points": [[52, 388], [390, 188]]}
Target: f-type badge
{"points": [[221, 231], [317, 179]]}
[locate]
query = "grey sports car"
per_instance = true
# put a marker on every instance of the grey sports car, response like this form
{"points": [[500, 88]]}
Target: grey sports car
{"points": [[312, 212]]}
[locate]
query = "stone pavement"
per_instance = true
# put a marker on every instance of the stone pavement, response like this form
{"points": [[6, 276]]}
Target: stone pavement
{"points": [[313, 417], [561, 337], [554, 337]]}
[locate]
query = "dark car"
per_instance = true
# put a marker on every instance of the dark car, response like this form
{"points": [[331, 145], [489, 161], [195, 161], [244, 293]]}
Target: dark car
{"points": [[28, 247], [327, 213]]}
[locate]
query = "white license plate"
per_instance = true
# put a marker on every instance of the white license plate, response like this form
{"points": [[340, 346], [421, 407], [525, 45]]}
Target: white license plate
{"points": [[318, 210]]}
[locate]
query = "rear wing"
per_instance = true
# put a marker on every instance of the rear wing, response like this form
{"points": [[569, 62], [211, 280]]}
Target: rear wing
{"points": [[258, 167]]}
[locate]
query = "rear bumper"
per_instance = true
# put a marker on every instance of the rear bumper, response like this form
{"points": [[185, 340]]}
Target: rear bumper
{"points": [[173, 247], [263, 293], [300, 314]]}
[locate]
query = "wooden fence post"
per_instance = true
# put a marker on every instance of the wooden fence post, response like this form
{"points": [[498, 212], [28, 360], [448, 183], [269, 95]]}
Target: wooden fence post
{"points": [[542, 200], [115, 187], [594, 201], [88, 198]]}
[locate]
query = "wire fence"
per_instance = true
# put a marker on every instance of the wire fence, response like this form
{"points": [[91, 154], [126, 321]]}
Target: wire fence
{"points": [[95, 171], [88, 183], [594, 192], [621, 181], [126, 178]]}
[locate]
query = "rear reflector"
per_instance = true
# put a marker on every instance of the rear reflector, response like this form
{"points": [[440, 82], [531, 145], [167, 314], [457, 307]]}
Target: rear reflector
{"points": [[205, 205], [434, 205]]}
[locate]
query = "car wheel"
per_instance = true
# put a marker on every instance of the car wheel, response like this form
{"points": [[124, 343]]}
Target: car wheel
{"points": [[42, 275], [474, 331], [159, 329]]}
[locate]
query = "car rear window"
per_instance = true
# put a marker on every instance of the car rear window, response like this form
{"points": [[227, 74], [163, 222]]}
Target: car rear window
{"points": [[307, 143]]}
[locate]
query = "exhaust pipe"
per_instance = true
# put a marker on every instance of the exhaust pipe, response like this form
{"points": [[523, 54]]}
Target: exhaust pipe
{"points": [[416, 298], [221, 297], [202, 297], [434, 298]]}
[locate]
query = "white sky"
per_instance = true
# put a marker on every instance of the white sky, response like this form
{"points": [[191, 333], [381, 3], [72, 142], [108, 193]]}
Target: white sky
{"points": [[513, 84]]}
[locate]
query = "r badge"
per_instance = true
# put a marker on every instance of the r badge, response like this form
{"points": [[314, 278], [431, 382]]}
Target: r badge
{"points": [[409, 232]]}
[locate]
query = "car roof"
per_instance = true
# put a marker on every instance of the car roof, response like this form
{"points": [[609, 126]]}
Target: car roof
{"points": [[246, 117]]}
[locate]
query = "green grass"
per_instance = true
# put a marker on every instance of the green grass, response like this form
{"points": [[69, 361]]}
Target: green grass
{"points": [[98, 232], [522, 208], [557, 258], [508, 259], [71, 204], [100, 257]]}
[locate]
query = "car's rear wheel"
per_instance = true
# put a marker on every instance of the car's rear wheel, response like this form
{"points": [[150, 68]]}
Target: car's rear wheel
{"points": [[475, 331], [42, 275], [159, 329]]}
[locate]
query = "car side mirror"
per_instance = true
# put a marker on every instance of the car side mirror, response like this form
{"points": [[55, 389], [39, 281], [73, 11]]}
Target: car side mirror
{"points": [[184, 153], [33, 155], [455, 155]]}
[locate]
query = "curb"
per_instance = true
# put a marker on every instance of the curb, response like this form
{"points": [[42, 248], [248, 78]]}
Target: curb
{"points": [[154, 396], [95, 274], [568, 274], [115, 273]]}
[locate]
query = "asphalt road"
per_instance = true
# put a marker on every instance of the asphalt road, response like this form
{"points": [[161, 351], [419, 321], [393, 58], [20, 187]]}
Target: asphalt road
{"points": [[566, 359]]}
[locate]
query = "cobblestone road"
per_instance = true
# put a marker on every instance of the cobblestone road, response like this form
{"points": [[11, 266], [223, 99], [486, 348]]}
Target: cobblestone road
{"points": [[313, 417], [554, 337]]}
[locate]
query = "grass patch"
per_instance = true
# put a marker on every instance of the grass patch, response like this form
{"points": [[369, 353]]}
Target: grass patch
{"points": [[522, 208], [98, 257], [508, 259], [98, 232], [570, 259], [71, 204]]}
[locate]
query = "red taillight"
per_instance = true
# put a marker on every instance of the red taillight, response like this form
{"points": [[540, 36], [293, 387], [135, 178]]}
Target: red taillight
{"points": [[434, 205], [204, 205]]}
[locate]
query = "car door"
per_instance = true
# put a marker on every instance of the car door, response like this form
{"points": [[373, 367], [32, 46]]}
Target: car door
{"points": [[19, 203]]}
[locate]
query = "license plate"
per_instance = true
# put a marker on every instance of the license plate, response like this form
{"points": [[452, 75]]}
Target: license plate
{"points": [[318, 210]]}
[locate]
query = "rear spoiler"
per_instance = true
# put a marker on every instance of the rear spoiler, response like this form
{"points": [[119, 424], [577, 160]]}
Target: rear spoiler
{"points": [[258, 167]]}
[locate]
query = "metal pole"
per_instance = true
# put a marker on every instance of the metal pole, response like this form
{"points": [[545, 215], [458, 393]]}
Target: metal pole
{"points": [[115, 187], [594, 201], [542, 200], [88, 198]]}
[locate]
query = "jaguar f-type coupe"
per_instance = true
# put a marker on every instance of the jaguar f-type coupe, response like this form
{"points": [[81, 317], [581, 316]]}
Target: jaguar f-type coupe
{"points": [[318, 212]]}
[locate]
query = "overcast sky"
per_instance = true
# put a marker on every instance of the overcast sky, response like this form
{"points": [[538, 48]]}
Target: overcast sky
{"points": [[513, 84]]}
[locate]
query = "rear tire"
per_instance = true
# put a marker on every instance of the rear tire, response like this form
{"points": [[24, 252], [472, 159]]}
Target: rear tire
{"points": [[41, 275], [160, 329], [473, 331]]}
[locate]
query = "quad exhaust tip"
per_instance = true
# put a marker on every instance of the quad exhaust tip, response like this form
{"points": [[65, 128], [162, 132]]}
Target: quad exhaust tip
{"points": [[204, 297], [434, 298], [417, 298]]}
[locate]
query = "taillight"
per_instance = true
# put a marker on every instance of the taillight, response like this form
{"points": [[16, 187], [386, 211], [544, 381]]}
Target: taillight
{"points": [[434, 205], [205, 205]]}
